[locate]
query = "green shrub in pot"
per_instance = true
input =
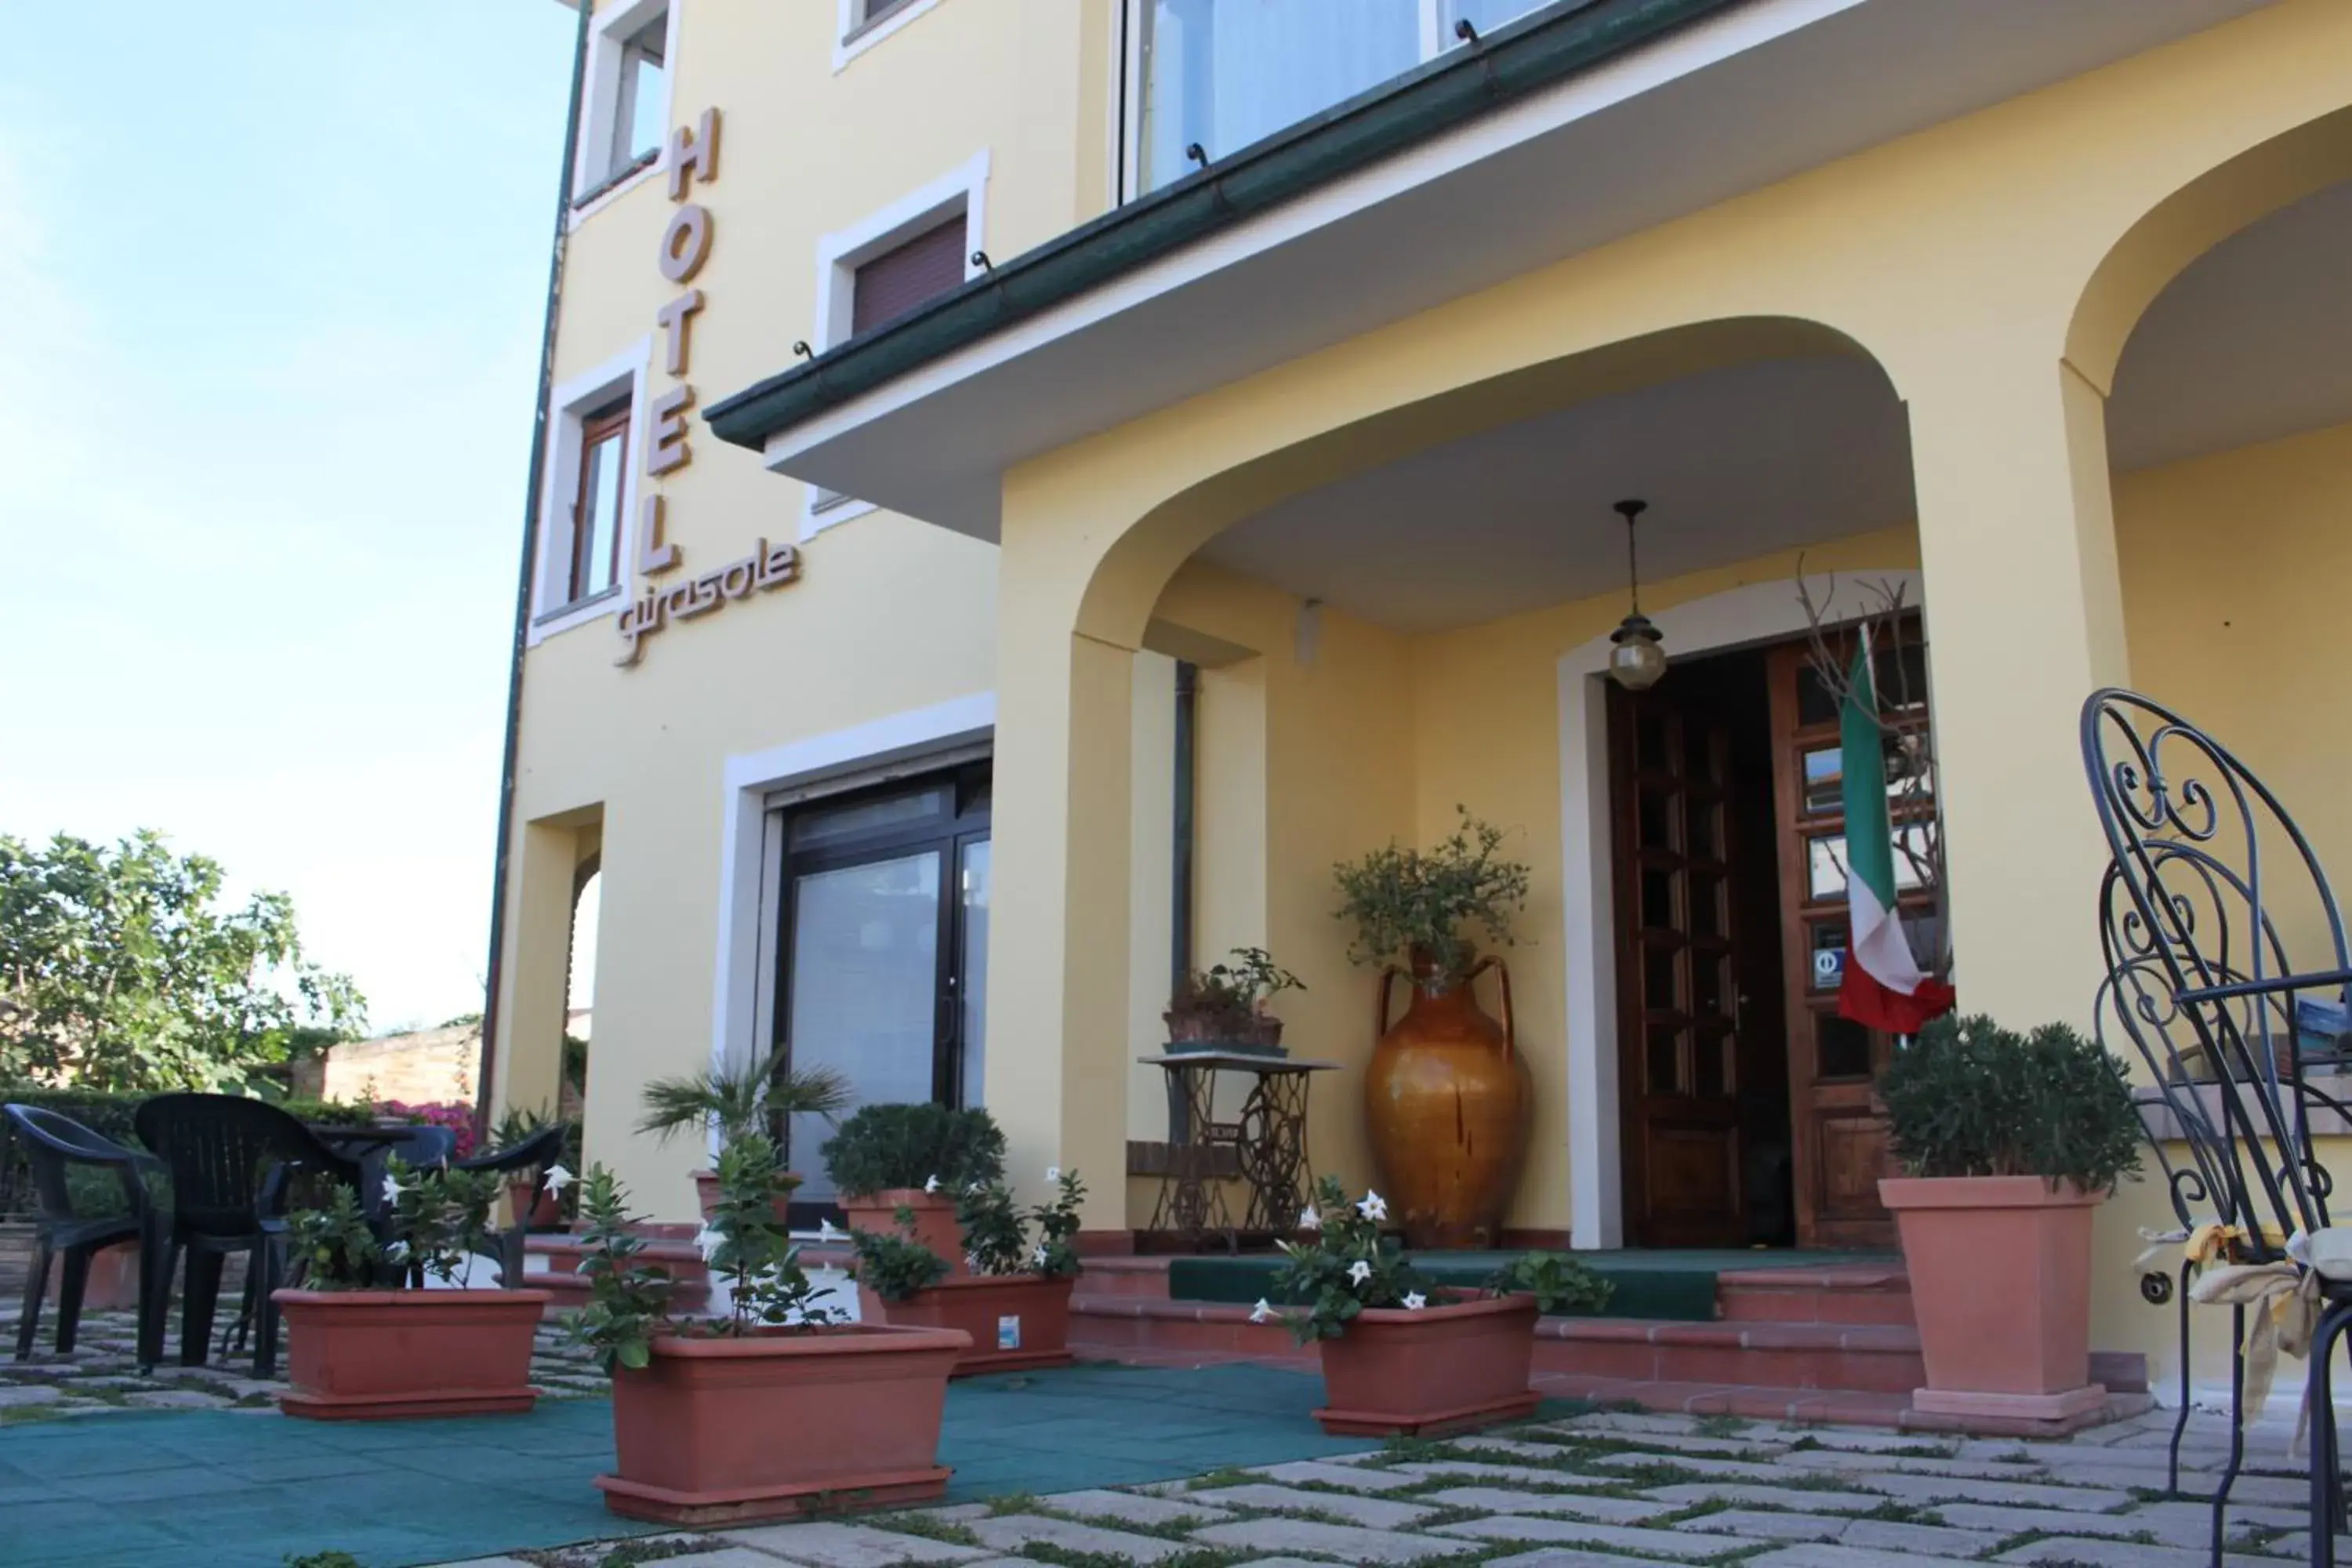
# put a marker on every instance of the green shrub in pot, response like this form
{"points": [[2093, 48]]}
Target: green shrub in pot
{"points": [[885, 1148], [1968, 1098]]}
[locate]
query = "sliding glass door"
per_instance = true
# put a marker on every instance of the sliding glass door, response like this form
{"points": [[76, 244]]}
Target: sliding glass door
{"points": [[882, 965]]}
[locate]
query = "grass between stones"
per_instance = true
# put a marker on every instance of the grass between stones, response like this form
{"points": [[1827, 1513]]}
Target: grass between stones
{"points": [[928, 1528]]}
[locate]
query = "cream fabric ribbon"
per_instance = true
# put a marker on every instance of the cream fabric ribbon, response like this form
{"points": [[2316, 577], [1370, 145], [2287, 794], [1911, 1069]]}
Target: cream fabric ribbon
{"points": [[2281, 1301]]}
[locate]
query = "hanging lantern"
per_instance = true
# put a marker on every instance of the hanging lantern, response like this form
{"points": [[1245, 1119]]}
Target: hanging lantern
{"points": [[1637, 659]]}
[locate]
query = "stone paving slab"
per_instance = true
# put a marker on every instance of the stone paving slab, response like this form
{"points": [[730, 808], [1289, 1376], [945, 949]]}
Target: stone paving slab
{"points": [[1565, 1557], [1607, 1509], [1899, 1536], [1960, 1488], [1373, 1514], [1679, 1442], [1768, 1526], [1013, 1531], [826, 1544], [1690, 1494], [1817, 1554], [1125, 1508], [2078, 1551], [1522, 1475], [1686, 1541], [1697, 1465], [1852, 1461], [1356, 1478], [1347, 1542]]}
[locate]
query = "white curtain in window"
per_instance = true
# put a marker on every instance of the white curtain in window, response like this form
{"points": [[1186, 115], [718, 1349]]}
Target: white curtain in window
{"points": [[1224, 73]]}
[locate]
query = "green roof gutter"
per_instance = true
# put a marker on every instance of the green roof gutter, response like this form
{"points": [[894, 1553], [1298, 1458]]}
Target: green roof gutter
{"points": [[1506, 64]]}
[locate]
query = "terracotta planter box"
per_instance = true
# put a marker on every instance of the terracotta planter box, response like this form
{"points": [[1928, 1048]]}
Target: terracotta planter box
{"points": [[113, 1284], [2000, 1280], [385, 1355], [724, 1431], [534, 1207], [1442, 1369], [706, 1194], [1014, 1320], [935, 1222]]}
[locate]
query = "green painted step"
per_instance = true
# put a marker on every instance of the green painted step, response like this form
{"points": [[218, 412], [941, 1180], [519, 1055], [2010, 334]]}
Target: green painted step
{"points": [[1670, 1287]]}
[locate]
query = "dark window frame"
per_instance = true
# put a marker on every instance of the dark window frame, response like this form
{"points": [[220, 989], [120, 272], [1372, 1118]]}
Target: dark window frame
{"points": [[609, 423], [966, 822]]}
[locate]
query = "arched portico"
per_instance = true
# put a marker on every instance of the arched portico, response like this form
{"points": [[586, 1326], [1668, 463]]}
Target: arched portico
{"points": [[1972, 263]]}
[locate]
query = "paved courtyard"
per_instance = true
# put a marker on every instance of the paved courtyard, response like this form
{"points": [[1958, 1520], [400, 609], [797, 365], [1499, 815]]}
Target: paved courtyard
{"points": [[1606, 1488], [1578, 1492]]}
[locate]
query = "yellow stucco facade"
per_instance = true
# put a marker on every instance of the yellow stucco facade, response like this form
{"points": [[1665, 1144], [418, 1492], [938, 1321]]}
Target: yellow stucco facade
{"points": [[1992, 267]]}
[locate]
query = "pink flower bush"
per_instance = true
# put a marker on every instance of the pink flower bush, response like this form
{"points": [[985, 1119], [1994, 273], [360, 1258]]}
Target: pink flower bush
{"points": [[456, 1115]]}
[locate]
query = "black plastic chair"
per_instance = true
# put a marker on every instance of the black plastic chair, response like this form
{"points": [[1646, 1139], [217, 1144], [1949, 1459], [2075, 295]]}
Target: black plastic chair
{"points": [[536, 1152], [54, 1143], [2207, 866], [231, 1160]]}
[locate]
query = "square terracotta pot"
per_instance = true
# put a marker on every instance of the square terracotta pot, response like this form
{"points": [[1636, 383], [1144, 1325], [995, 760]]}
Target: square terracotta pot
{"points": [[935, 1221], [385, 1355], [1016, 1321], [777, 1424], [1441, 1369], [2001, 1283], [113, 1283]]}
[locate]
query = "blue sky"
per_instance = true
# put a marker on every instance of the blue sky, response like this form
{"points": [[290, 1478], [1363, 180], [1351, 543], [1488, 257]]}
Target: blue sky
{"points": [[270, 291]]}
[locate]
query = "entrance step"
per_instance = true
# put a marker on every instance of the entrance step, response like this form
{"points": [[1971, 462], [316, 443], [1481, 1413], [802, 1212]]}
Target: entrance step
{"points": [[1875, 1293], [1125, 1278]]}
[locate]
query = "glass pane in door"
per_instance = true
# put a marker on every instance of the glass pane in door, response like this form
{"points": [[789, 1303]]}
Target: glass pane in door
{"points": [[973, 971], [864, 976]]}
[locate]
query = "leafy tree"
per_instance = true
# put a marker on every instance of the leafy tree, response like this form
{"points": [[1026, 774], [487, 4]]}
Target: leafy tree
{"points": [[122, 969]]}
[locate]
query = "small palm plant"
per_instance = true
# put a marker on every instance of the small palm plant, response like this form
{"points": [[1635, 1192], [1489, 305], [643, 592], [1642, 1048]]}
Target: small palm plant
{"points": [[743, 1100]]}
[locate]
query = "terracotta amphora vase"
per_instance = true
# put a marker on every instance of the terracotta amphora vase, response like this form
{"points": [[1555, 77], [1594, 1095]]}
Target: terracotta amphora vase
{"points": [[1446, 1103]]}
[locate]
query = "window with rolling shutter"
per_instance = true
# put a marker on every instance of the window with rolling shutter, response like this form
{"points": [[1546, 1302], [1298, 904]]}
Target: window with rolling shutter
{"points": [[899, 280]]}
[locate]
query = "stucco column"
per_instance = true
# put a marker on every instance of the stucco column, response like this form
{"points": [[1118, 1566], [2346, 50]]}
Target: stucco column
{"points": [[529, 1066], [2025, 619], [1057, 963]]}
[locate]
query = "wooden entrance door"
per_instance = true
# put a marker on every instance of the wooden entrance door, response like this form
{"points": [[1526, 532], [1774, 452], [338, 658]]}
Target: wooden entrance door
{"points": [[1838, 1130], [1671, 759]]}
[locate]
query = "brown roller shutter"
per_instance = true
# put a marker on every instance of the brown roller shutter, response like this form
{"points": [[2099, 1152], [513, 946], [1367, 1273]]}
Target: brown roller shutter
{"points": [[897, 280]]}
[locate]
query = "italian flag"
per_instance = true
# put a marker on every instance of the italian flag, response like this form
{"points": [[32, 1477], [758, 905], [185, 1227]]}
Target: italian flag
{"points": [[1882, 987]]}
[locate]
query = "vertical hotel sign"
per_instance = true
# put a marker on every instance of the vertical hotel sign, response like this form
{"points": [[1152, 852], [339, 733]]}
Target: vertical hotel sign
{"points": [[685, 247]]}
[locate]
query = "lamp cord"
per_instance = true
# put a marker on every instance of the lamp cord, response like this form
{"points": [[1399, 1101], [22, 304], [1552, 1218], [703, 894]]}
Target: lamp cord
{"points": [[1633, 565]]}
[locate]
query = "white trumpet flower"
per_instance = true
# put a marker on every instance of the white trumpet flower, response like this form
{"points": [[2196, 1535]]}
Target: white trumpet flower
{"points": [[1309, 1220], [556, 1180], [1414, 1301], [1359, 1271], [1374, 1206], [931, 1185], [708, 1242], [1261, 1312]]}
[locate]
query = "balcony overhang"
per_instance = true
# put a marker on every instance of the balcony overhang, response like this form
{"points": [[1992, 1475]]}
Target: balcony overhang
{"points": [[1626, 113]]}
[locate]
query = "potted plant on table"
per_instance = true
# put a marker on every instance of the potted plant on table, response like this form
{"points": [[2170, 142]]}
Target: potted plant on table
{"points": [[774, 1409], [1402, 1354], [536, 1203], [1447, 1097], [918, 1158], [1223, 1007], [1016, 1301], [738, 1100], [365, 1342], [2010, 1142]]}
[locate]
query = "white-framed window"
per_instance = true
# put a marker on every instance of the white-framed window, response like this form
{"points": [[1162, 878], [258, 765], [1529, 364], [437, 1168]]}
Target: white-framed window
{"points": [[626, 119], [865, 23], [1221, 74], [588, 495], [886, 264]]}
